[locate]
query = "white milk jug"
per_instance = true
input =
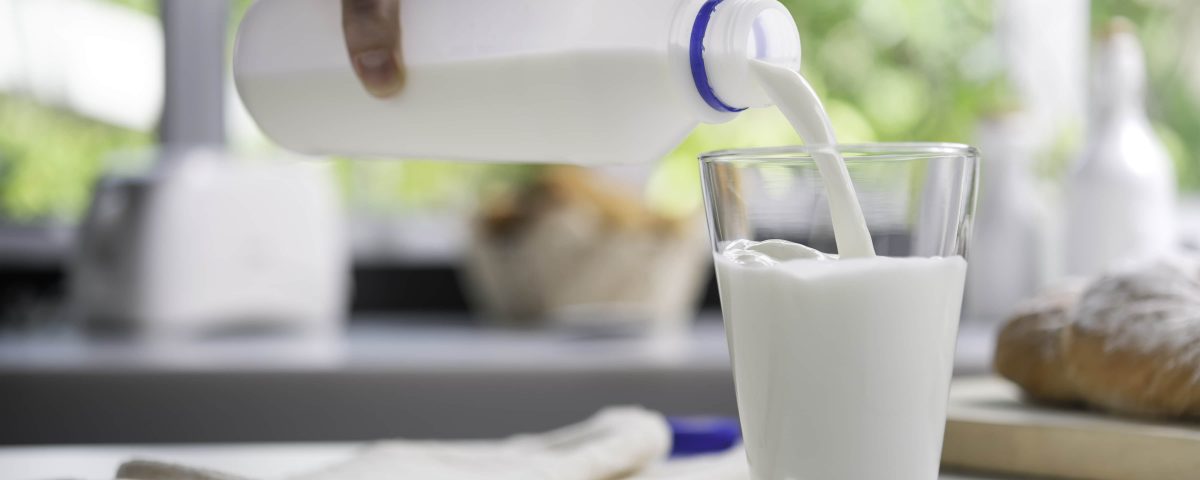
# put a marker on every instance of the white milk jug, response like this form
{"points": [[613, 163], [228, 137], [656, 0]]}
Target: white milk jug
{"points": [[576, 81]]}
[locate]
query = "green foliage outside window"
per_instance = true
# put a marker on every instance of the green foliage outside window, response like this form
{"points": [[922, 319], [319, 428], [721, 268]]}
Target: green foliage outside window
{"points": [[49, 158]]}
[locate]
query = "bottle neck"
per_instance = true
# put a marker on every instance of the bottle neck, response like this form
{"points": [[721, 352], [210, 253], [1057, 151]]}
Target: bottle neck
{"points": [[1111, 113], [1118, 84], [721, 37], [1009, 137]]}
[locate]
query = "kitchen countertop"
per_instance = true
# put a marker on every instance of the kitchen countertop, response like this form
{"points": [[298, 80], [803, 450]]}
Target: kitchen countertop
{"points": [[420, 343], [428, 377], [250, 460]]}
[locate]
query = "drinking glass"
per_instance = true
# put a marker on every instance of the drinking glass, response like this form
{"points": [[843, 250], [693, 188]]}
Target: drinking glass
{"points": [[839, 374]]}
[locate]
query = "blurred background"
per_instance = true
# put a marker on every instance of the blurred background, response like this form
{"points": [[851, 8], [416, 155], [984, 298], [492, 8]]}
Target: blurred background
{"points": [[135, 308]]}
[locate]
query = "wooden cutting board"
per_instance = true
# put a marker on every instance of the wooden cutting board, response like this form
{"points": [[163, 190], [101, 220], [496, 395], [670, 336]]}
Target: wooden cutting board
{"points": [[990, 429]]}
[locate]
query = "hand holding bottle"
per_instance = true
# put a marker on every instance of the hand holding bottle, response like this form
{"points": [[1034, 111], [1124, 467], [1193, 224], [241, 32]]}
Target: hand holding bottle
{"points": [[372, 29]]}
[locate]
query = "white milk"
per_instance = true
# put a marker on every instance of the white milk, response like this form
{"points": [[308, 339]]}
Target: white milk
{"points": [[842, 367], [842, 363], [792, 94]]}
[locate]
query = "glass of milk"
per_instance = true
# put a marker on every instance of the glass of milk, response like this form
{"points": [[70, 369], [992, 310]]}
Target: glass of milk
{"points": [[842, 365]]}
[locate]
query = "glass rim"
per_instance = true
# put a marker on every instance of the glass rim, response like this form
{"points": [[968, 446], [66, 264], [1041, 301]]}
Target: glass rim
{"points": [[853, 153]]}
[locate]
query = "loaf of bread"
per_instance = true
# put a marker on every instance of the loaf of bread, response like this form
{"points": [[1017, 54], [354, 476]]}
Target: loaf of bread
{"points": [[1134, 344], [1029, 349], [571, 247], [1129, 343]]}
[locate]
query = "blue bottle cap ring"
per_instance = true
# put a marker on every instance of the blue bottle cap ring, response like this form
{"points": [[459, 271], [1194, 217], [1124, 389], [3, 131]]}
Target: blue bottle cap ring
{"points": [[696, 56]]}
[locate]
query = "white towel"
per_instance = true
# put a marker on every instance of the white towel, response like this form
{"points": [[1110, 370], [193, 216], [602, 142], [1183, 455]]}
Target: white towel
{"points": [[617, 443]]}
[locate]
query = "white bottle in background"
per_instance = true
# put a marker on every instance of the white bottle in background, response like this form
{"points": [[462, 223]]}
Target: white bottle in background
{"points": [[579, 81], [1010, 244], [1121, 192]]}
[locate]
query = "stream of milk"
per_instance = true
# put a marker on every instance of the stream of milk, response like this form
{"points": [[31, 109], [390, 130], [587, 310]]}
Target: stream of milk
{"points": [[792, 94]]}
